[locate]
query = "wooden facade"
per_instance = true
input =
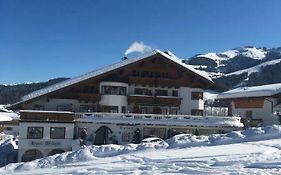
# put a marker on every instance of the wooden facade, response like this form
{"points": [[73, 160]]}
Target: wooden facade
{"points": [[249, 103]]}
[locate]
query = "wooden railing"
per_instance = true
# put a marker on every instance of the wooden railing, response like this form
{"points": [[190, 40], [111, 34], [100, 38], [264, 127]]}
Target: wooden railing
{"points": [[163, 100]]}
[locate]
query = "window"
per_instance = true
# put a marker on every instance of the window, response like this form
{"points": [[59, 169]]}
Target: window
{"points": [[39, 107], [35, 132], [143, 110], [197, 112], [249, 114], [164, 111], [114, 90], [175, 93], [197, 95], [89, 89], [60, 108], [123, 109], [126, 136], [87, 108], [140, 73], [57, 132], [142, 91], [111, 109], [161, 92], [173, 111]]}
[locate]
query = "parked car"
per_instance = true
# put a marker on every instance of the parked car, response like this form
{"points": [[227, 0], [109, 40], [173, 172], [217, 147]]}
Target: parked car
{"points": [[152, 140]]}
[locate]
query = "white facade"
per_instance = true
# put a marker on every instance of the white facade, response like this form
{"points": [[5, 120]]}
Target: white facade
{"points": [[265, 113], [119, 100], [44, 145], [187, 103]]}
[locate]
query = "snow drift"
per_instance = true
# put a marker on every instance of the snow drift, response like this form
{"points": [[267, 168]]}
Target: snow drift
{"points": [[177, 142]]}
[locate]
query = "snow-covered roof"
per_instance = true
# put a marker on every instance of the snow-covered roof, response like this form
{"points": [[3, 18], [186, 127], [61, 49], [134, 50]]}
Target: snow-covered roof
{"points": [[95, 73], [8, 116], [254, 91]]}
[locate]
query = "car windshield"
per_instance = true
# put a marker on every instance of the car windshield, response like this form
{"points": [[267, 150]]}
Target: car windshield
{"points": [[148, 140]]}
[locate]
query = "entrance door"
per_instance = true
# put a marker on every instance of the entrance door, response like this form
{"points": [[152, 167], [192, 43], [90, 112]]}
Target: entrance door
{"points": [[102, 135]]}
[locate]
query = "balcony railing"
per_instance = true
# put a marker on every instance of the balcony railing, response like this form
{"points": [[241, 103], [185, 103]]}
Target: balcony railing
{"points": [[161, 100], [173, 120]]}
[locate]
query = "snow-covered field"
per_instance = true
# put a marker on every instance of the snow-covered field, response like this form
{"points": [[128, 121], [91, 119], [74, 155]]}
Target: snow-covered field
{"points": [[254, 151]]}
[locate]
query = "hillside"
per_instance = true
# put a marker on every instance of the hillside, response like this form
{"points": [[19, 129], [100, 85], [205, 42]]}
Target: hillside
{"points": [[245, 66], [12, 93]]}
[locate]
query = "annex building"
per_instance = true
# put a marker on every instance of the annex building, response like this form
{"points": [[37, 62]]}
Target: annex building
{"points": [[256, 105]]}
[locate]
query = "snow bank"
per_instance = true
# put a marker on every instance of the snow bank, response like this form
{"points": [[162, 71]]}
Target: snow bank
{"points": [[84, 154], [177, 142], [251, 134]]}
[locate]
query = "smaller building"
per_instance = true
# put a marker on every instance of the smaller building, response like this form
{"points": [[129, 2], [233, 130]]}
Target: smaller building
{"points": [[255, 105], [44, 134], [9, 122]]}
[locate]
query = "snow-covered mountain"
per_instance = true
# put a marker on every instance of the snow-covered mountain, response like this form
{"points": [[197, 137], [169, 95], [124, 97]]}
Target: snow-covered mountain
{"points": [[241, 66]]}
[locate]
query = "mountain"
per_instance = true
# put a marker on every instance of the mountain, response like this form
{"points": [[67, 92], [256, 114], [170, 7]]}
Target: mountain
{"points": [[244, 66], [12, 93]]}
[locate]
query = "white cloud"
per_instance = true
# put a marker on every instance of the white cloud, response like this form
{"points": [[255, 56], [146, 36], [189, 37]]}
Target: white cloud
{"points": [[139, 47]]}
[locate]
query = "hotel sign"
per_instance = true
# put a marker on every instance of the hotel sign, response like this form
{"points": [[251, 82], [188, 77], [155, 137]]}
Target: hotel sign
{"points": [[45, 143]]}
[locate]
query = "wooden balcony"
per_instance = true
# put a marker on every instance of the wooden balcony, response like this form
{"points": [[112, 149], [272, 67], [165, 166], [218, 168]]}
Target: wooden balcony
{"points": [[89, 97], [142, 81], [141, 99], [169, 101], [50, 116], [152, 81]]}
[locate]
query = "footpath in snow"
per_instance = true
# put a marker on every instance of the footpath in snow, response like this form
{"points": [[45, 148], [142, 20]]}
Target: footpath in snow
{"points": [[253, 151]]}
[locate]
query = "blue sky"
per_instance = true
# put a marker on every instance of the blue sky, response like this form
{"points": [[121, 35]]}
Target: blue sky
{"points": [[41, 40]]}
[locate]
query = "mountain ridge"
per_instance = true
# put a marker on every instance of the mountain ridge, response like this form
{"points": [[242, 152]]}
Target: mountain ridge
{"points": [[10, 94], [243, 66]]}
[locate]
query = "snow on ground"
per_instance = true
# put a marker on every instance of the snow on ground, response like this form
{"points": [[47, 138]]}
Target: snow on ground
{"points": [[253, 151]]}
